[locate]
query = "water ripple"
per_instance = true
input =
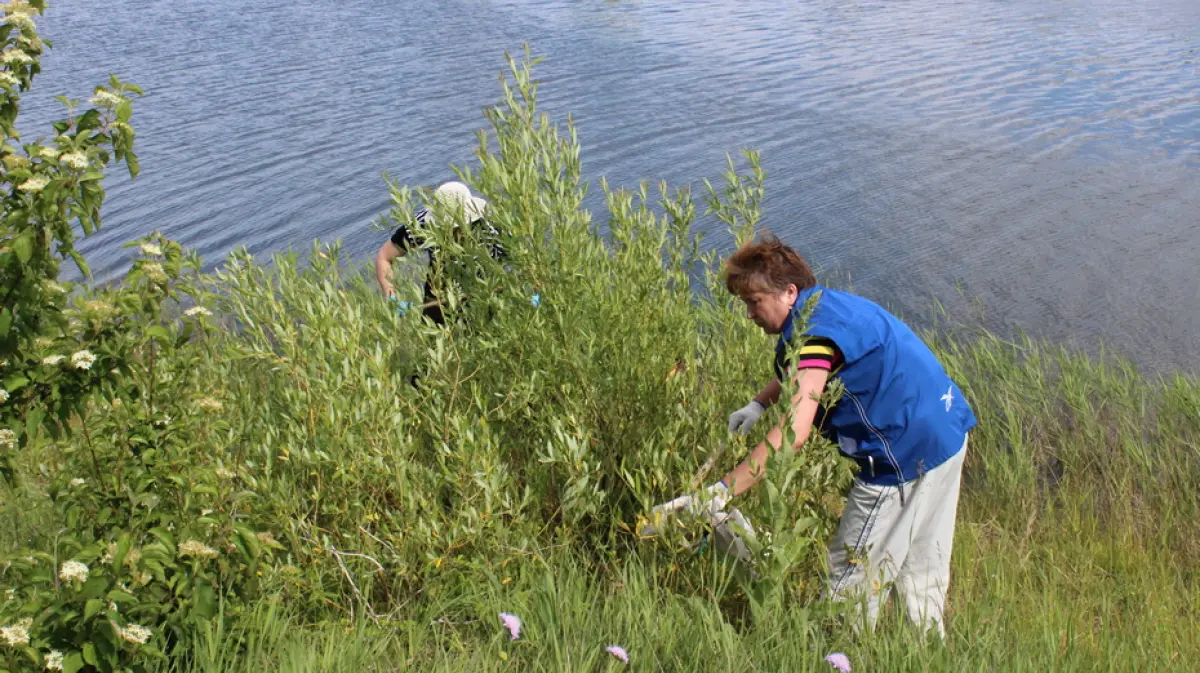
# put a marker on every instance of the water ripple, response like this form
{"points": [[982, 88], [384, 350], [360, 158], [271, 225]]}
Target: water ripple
{"points": [[1041, 158]]}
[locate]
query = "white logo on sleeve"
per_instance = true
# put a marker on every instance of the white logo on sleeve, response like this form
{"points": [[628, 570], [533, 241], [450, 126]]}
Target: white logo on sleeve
{"points": [[948, 398]]}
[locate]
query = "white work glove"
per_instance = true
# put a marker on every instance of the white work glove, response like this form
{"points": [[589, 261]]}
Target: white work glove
{"points": [[711, 502], [736, 522], [743, 419], [730, 532]]}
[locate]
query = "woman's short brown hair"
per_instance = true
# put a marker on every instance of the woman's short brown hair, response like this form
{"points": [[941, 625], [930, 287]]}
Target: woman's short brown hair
{"points": [[766, 265]]}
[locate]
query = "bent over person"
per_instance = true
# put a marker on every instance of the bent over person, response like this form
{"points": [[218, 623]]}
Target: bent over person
{"points": [[901, 419], [450, 197]]}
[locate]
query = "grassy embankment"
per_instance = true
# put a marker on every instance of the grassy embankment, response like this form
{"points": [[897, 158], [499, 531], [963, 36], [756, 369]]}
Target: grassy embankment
{"points": [[1077, 550], [408, 517]]}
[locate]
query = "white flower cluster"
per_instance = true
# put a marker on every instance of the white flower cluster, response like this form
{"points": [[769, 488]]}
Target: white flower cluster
{"points": [[3, 396], [197, 311], [16, 6], [7, 79], [76, 161], [8, 439], [83, 359], [106, 99], [151, 249], [225, 473], [197, 549], [19, 20], [34, 184], [78, 482], [133, 633], [53, 360], [154, 271], [16, 57], [54, 661], [100, 308], [32, 43], [209, 404], [17, 634], [53, 287], [73, 571]]}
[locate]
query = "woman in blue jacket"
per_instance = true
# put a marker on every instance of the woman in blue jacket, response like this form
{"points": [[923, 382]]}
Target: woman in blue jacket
{"points": [[901, 419]]}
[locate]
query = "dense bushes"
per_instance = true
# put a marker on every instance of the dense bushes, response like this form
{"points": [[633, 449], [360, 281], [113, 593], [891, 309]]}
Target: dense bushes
{"points": [[528, 426], [186, 443]]}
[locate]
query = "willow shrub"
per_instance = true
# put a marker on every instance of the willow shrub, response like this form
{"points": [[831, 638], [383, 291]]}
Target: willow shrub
{"points": [[291, 434], [407, 458]]}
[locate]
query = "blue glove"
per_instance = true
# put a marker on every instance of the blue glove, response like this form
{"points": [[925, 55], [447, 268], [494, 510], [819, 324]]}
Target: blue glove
{"points": [[536, 299], [401, 306]]}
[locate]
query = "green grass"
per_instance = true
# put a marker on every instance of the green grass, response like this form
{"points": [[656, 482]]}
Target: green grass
{"points": [[1075, 551]]}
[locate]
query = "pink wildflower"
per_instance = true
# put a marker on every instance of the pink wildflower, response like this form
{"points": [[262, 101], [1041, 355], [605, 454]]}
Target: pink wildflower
{"points": [[618, 652], [839, 661], [512, 623]]}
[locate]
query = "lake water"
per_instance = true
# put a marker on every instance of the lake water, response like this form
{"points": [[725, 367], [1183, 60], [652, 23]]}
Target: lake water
{"points": [[1031, 164]]}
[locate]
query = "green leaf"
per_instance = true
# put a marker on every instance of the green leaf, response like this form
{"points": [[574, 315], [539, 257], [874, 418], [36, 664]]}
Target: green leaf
{"points": [[124, 111], [23, 246], [88, 120], [123, 543], [106, 646], [158, 332], [89, 654], [83, 267], [15, 382], [72, 663], [93, 608], [250, 540], [5, 322], [165, 537], [33, 419], [118, 596], [94, 587], [206, 601]]}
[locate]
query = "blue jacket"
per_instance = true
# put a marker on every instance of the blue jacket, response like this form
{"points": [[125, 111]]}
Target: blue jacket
{"points": [[901, 415]]}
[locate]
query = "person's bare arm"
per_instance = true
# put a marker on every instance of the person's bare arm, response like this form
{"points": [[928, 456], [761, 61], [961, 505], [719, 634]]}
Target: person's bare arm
{"points": [[383, 266], [804, 412], [769, 394]]}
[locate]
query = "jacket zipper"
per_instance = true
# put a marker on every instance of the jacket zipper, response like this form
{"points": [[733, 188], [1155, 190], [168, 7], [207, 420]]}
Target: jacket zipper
{"points": [[886, 446]]}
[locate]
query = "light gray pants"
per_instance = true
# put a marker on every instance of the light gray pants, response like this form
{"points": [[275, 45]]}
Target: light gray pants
{"points": [[883, 542]]}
